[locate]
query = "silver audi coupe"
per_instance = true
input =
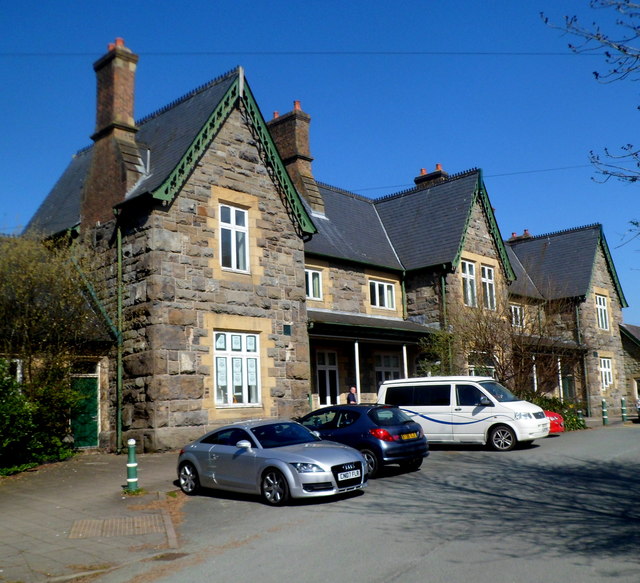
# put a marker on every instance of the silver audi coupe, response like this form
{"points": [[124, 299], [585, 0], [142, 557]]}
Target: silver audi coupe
{"points": [[278, 459]]}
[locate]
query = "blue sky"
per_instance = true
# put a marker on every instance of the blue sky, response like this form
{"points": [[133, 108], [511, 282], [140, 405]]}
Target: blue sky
{"points": [[391, 87]]}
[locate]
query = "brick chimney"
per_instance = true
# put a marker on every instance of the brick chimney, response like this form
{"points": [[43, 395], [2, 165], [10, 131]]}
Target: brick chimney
{"points": [[116, 164], [427, 179], [290, 133]]}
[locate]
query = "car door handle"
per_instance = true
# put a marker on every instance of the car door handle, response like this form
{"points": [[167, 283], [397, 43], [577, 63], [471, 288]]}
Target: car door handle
{"points": [[458, 409]]}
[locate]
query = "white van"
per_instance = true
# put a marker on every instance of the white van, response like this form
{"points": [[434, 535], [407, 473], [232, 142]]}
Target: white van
{"points": [[466, 410]]}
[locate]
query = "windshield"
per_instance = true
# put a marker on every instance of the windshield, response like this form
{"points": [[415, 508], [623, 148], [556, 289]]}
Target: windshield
{"points": [[499, 392], [281, 434]]}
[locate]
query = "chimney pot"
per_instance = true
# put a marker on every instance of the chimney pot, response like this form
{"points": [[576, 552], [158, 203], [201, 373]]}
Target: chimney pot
{"points": [[526, 233], [119, 41], [276, 115], [296, 106], [427, 179], [514, 235]]}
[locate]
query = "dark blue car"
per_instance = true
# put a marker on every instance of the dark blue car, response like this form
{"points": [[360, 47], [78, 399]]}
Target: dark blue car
{"points": [[383, 434]]}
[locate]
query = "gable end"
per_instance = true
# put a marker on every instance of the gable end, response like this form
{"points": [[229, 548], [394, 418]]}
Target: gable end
{"points": [[480, 195]]}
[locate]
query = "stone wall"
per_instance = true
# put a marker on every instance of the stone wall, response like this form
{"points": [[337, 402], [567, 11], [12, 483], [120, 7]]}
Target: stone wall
{"points": [[603, 343], [175, 294]]}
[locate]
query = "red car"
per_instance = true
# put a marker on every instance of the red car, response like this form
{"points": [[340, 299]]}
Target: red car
{"points": [[556, 422]]}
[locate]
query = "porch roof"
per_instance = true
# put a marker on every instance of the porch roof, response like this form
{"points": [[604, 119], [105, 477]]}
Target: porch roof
{"points": [[366, 328]]}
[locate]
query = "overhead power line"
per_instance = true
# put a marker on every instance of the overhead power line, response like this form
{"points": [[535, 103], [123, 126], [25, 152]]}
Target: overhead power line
{"points": [[539, 171], [298, 53]]}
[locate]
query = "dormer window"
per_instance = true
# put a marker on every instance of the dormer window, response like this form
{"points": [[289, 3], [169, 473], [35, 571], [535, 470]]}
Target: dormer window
{"points": [[517, 315], [313, 283], [382, 294]]}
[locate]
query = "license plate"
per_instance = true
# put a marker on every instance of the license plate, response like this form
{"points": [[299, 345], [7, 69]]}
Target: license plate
{"points": [[409, 435], [348, 475]]}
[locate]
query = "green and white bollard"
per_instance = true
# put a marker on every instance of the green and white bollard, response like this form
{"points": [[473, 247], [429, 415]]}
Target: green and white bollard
{"points": [[605, 415], [132, 467], [623, 409]]}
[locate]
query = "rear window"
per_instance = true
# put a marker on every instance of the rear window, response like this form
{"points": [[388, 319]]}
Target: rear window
{"points": [[387, 416]]}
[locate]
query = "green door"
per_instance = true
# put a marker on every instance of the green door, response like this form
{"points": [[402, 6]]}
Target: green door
{"points": [[84, 419]]}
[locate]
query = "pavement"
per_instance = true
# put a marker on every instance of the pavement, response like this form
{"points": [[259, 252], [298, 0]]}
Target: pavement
{"points": [[74, 519]]}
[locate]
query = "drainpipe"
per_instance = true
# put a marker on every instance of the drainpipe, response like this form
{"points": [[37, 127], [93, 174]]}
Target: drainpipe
{"points": [[404, 296], [445, 320], [584, 361], [119, 339]]}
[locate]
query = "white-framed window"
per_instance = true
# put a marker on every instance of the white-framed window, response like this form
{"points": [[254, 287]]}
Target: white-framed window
{"points": [[602, 312], [606, 373], [387, 367], [481, 364], [382, 294], [237, 368], [469, 293], [488, 287], [313, 283], [234, 238], [15, 369], [517, 315]]}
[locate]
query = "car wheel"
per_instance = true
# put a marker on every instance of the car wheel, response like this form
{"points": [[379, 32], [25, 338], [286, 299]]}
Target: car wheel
{"points": [[502, 438], [412, 465], [373, 464], [274, 487], [188, 479]]}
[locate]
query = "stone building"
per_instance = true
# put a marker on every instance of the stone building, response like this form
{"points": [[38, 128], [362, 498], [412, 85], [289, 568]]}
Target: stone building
{"points": [[241, 287]]}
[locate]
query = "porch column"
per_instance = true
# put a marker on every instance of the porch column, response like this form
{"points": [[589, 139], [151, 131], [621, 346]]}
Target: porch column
{"points": [[535, 374], [560, 379], [356, 350], [404, 361]]}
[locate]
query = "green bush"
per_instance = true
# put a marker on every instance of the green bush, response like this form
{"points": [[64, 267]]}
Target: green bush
{"points": [[568, 410], [34, 419]]}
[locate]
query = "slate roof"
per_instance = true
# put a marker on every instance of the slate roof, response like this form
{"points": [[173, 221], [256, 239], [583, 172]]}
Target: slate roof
{"points": [[632, 332], [426, 226], [413, 229], [166, 135], [560, 264], [60, 210], [351, 230], [522, 285]]}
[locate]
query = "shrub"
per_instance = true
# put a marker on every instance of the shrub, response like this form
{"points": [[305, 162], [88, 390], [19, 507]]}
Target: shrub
{"points": [[568, 410], [34, 419]]}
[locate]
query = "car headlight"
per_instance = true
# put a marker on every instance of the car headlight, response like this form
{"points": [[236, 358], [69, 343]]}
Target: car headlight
{"points": [[523, 416], [305, 468]]}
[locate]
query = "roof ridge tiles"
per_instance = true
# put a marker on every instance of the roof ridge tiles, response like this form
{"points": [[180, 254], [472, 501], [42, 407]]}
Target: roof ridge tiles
{"points": [[413, 189], [556, 233], [188, 95], [345, 192]]}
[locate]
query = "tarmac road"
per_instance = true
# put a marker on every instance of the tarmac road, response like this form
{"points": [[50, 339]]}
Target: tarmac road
{"points": [[564, 510]]}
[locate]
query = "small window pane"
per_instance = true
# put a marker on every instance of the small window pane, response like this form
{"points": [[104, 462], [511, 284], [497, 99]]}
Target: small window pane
{"points": [[225, 214]]}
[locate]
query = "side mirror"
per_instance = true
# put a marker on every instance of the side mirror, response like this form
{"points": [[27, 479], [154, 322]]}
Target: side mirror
{"points": [[485, 402], [317, 434], [244, 444]]}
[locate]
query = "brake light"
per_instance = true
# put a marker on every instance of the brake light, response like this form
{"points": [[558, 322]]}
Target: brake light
{"points": [[383, 434]]}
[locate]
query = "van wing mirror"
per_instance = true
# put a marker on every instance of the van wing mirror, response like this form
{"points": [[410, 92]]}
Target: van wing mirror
{"points": [[485, 402]]}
